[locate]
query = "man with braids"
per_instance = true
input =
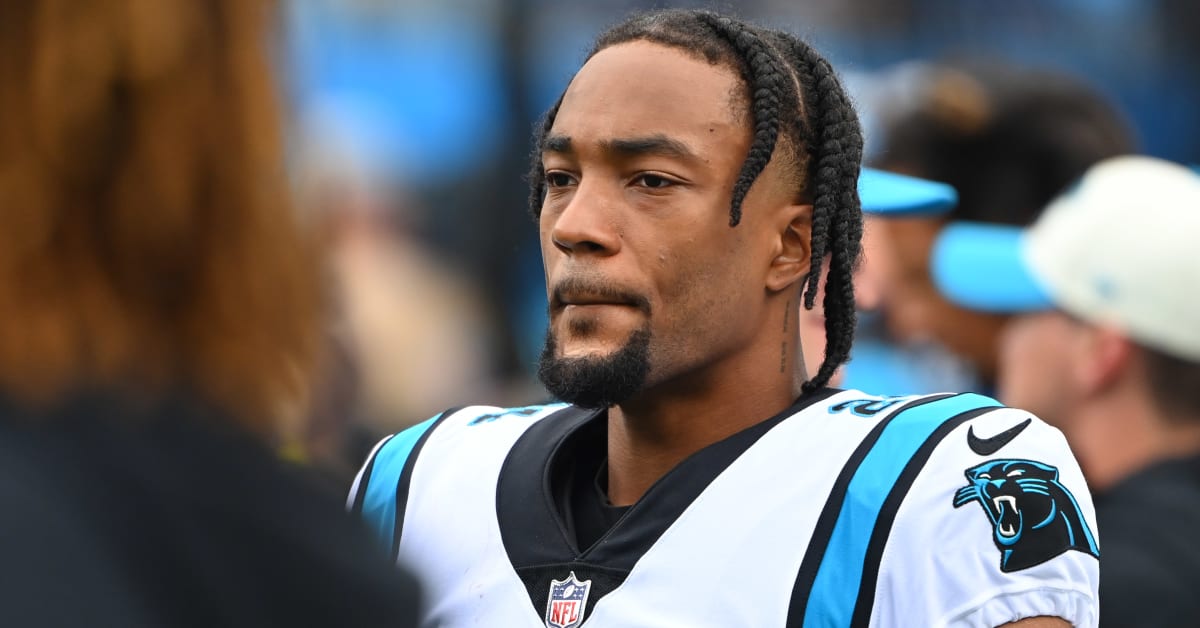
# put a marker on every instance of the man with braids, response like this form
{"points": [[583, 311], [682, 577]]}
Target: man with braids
{"points": [[688, 186]]}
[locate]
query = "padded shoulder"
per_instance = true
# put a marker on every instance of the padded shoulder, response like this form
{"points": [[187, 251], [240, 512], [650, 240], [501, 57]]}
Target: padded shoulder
{"points": [[1000, 525], [381, 487]]}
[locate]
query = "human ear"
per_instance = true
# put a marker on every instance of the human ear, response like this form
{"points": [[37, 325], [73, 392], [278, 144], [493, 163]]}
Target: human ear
{"points": [[793, 247], [1106, 356]]}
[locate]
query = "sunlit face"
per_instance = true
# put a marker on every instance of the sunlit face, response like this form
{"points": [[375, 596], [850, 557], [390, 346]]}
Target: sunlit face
{"points": [[1036, 354], [640, 165]]}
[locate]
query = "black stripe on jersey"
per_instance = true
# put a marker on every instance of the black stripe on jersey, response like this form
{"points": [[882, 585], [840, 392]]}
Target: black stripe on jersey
{"points": [[405, 480], [365, 476], [648, 519], [815, 553], [529, 526], [537, 540], [887, 514]]}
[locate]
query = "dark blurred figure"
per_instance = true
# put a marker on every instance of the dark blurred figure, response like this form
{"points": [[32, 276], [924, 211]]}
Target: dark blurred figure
{"points": [[1008, 139], [159, 320]]}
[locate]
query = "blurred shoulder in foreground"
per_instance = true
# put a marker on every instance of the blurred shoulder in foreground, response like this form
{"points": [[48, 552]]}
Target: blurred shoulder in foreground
{"points": [[154, 517], [160, 316]]}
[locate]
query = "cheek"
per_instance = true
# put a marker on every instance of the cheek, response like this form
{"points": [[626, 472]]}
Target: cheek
{"points": [[908, 244], [545, 239], [689, 269], [700, 287], [1031, 369]]}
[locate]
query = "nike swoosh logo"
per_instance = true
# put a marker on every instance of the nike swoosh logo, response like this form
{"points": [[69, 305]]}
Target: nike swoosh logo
{"points": [[989, 446]]}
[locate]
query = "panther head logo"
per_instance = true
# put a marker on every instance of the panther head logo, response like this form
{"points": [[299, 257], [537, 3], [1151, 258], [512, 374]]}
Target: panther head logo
{"points": [[1034, 517]]}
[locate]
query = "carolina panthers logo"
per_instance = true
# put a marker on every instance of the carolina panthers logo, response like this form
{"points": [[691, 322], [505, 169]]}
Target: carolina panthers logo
{"points": [[1034, 517]]}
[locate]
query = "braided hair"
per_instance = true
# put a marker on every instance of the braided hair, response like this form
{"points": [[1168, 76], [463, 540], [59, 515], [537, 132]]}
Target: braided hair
{"points": [[796, 105]]}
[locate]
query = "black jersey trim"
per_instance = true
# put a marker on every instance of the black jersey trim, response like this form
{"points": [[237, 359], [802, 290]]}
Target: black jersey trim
{"points": [[667, 498], [887, 514], [531, 522], [815, 553], [525, 508], [364, 476], [405, 481]]}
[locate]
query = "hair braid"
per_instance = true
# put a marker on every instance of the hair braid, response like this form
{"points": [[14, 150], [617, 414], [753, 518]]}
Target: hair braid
{"points": [[836, 146], [767, 82]]}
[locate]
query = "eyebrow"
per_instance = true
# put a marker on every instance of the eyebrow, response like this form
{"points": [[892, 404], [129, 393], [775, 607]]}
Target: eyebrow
{"points": [[557, 144], [627, 147], [651, 145]]}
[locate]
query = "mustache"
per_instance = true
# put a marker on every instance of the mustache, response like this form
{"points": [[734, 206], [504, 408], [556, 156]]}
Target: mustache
{"points": [[598, 290]]}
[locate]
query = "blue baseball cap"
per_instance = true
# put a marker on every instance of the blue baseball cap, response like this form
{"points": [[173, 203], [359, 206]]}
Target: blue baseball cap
{"points": [[982, 266], [894, 194], [1118, 248]]}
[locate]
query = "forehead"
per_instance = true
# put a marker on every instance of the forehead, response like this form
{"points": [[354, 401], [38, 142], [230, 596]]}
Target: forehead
{"points": [[642, 88]]}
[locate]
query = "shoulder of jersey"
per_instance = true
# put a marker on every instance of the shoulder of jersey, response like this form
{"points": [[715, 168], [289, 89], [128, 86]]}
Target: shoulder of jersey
{"points": [[390, 462], [993, 493], [962, 427], [465, 419]]}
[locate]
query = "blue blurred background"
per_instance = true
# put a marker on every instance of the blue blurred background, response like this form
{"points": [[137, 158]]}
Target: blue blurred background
{"points": [[410, 136]]}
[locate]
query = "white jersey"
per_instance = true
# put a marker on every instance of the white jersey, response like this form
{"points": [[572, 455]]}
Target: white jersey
{"points": [[845, 510]]}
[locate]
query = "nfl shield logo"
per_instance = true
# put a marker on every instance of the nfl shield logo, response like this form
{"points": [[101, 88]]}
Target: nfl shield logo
{"points": [[568, 599]]}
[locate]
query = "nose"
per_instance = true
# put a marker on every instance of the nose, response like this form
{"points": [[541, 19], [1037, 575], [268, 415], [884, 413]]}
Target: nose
{"points": [[586, 224]]}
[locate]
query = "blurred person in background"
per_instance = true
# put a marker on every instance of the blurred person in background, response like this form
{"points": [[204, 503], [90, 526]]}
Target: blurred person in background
{"points": [[1008, 139], [160, 310], [409, 335], [400, 145], [1105, 345]]}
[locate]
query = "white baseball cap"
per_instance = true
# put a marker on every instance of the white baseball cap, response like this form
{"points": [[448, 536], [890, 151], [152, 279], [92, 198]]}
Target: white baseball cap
{"points": [[1121, 247]]}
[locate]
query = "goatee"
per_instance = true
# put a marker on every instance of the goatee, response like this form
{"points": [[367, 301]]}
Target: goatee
{"points": [[599, 381]]}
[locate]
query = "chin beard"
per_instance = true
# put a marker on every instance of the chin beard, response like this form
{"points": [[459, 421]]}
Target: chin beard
{"points": [[599, 381]]}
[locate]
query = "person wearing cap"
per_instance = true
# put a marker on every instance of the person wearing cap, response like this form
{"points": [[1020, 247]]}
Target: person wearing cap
{"points": [[1105, 345], [1008, 138]]}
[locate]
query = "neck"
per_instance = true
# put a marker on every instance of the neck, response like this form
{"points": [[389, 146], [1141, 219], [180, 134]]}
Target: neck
{"points": [[651, 434], [1116, 437]]}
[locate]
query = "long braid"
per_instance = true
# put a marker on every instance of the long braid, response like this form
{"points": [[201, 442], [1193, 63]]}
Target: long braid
{"points": [[836, 146], [768, 84]]}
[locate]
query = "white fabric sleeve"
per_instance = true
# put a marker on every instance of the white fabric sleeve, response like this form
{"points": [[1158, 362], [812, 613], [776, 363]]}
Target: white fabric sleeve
{"points": [[1021, 541]]}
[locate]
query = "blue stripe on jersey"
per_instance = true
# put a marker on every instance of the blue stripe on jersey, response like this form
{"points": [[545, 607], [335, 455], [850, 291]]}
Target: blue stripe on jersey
{"points": [[835, 589], [379, 505]]}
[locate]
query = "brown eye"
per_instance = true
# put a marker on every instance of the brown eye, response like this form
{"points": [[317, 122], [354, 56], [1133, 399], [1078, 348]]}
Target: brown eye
{"points": [[557, 179], [654, 181]]}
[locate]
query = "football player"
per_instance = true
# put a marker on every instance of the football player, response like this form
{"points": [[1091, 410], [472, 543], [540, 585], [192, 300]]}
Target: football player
{"points": [[689, 186]]}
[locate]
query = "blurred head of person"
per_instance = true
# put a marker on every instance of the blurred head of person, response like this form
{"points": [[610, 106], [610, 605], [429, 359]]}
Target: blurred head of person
{"points": [[1008, 139], [1104, 343], [148, 247]]}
